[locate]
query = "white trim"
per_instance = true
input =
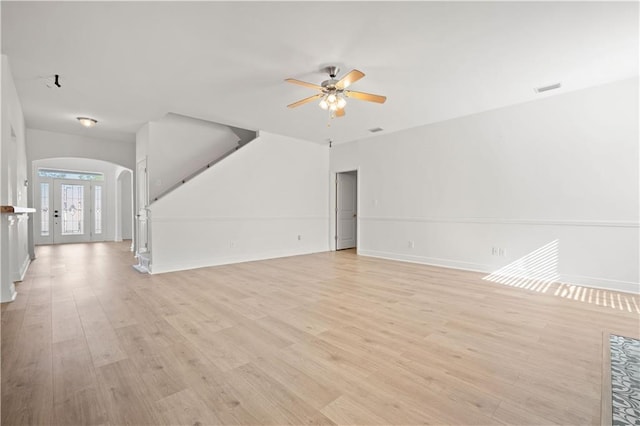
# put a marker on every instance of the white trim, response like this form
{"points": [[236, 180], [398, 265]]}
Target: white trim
{"points": [[14, 293], [226, 260], [498, 221], [602, 283], [432, 261], [592, 282], [23, 269], [168, 219]]}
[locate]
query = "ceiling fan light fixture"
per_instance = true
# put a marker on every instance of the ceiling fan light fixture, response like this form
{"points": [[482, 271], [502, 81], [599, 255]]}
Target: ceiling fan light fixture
{"points": [[87, 122], [332, 93]]}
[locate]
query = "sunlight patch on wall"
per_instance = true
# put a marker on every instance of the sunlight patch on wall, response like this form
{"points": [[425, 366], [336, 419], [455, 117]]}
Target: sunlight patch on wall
{"points": [[535, 272]]}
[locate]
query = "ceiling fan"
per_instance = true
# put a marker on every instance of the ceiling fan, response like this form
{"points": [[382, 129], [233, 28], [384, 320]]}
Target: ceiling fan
{"points": [[333, 92]]}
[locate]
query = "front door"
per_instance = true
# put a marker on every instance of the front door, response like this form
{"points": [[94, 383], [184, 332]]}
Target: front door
{"points": [[71, 211], [346, 210]]}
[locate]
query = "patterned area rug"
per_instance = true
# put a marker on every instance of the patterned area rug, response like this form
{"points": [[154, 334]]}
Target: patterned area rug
{"points": [[625, 380]]}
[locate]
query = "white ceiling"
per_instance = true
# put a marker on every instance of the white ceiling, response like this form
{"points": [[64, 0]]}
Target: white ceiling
{"points": [[126, 63]]}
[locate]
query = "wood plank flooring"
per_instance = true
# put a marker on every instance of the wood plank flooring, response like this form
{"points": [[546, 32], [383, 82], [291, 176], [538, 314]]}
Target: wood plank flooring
{"points": [[329, 338]]}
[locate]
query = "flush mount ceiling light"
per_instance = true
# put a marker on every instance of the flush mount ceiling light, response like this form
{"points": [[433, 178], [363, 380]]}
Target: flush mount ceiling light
{"points": [[87, 122]]}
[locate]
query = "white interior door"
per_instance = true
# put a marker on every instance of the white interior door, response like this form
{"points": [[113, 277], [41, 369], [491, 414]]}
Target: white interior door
{"points": [[71, 211], [346, 210]]}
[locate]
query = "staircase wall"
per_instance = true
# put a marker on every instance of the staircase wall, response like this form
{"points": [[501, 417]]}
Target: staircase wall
{"points": [[269, 199], [176, 146]]}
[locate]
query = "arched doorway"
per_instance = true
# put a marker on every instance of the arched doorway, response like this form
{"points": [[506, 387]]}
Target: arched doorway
{"points": [[81, 200]]}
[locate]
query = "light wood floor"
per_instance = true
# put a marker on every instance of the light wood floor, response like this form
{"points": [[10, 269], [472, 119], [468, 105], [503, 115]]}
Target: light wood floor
{"points": [[325, 338]]}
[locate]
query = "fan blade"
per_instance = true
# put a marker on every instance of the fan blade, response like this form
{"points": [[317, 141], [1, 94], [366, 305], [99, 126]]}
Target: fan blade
{"points": [[303, 83], [340, 112], [365, 96], [350, 78], [305, 100]]}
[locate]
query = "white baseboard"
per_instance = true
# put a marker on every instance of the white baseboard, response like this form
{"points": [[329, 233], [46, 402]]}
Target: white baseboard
{"points": [[593, 282], [22, 271], [144, 263], [227, 260], [602, 283], [431, 261], [11, 296], [141, 269]]}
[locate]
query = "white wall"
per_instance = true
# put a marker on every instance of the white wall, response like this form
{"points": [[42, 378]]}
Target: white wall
{"points": [[142, 142], [252, 205], [176, 146], [564, 167], [14, 253], [44, 144], [125, 182], [114, 208]]}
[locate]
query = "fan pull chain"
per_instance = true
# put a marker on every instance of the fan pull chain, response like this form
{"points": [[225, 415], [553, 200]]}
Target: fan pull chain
{"points": [[332, 115]]}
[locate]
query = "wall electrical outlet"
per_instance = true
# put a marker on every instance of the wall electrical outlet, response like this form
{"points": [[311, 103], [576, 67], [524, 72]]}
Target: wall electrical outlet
{"points": [[411, 244], [498, 251]]}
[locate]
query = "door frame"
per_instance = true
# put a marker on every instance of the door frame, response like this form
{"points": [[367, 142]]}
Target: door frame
{"points": [[90, 225], [141, 233], [333, 225]]}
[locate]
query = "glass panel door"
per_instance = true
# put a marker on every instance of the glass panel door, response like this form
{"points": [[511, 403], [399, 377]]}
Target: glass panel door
{"points": [[72, 209], [71, 213]]}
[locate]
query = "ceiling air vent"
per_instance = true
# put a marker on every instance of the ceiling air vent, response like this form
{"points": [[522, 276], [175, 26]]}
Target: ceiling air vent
{"points": [[547, 88], [376, 129]]}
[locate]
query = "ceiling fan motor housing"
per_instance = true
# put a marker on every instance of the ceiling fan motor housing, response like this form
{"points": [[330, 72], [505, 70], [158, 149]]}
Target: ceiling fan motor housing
{"points": [[329, 85]]}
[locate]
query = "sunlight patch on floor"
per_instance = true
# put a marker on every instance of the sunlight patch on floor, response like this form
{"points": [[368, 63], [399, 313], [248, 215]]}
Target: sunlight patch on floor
{"points": [[538, 271], [599, 297]]}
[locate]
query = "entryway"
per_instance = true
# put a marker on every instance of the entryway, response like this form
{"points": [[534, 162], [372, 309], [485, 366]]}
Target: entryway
{"points": [[72, 208], [346, 210], [80, 200]]}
